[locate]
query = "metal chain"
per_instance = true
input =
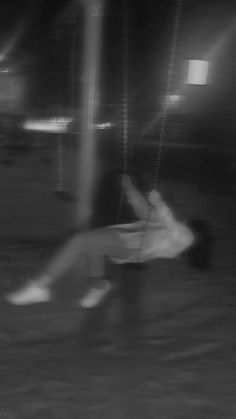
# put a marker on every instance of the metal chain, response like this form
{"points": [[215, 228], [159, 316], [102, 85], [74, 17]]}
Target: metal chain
{"points": [[73, 61], [125, 126], [171, 64], [164, 113], [125, 102], [60, 168]]}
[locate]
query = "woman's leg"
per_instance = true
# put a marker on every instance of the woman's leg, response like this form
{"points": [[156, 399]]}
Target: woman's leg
{"points": [[95, 244], [98, 245]]}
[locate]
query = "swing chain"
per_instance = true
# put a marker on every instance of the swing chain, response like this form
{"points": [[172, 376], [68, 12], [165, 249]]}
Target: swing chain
{"points": [[60, 168], [164, 113], [125, 96], [125, 103]]}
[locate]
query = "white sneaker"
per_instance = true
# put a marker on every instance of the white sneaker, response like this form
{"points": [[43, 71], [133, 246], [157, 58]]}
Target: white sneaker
{"points": [[95, 296], [31, 293]]}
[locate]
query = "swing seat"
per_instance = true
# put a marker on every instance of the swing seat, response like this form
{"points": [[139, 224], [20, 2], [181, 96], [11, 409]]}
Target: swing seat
{"points": [[127, 295], [134, 266]]}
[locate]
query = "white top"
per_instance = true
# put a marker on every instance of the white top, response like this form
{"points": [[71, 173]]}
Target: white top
{"points": [[157, 235]]}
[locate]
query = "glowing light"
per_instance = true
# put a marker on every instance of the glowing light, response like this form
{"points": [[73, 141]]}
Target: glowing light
{"points": [[197, 72], [104, 125], [54, 125], [5, 70], [174, 98]]}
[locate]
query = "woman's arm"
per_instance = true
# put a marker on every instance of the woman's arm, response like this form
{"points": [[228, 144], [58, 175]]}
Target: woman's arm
{"points": [[135, 198], [161, 212], [154, 208]]}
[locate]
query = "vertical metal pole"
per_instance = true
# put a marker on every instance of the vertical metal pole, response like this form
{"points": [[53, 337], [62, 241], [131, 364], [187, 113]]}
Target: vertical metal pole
{"points": [[60, 168], [87, 149]]}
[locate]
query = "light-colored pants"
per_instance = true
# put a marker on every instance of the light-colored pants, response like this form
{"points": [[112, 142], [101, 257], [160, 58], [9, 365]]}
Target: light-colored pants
{"points": [[96, 245]]}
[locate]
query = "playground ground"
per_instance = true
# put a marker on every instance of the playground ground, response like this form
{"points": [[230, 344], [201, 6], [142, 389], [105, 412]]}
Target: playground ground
{"points": [[183, 366]]}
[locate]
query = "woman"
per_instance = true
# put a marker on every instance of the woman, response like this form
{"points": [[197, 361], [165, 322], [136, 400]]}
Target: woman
{"points": [[156, 234]]}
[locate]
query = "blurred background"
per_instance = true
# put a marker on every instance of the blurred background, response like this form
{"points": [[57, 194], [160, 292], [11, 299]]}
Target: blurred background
{"points": [[41, 82]]}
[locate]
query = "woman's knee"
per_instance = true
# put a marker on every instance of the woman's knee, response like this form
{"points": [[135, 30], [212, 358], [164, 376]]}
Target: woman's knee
{"points": [[100, 242], [93, 241]]}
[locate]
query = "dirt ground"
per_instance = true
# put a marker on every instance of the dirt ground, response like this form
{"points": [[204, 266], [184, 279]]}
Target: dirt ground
{"points": [[182, 364]]}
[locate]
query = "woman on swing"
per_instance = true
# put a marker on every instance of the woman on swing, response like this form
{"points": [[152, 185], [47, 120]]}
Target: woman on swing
{"points": [[155, 234]]}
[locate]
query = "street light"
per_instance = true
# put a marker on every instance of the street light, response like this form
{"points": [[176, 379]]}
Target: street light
{"points": [[197, 72]]}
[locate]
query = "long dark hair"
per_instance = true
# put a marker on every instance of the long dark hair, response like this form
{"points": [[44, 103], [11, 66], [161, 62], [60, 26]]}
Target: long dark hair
{"points": [[199, 255]]}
